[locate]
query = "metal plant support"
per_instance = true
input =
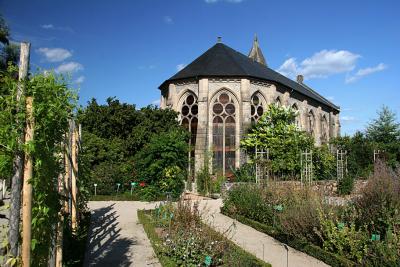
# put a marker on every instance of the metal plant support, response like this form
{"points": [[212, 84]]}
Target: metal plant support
{"points": [[262, 158], [306, 167], [341, 164]]}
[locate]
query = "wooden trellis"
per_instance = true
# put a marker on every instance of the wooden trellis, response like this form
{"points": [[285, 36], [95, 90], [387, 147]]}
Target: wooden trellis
{"points": [[306, 167], [262, 158], [341, 164]]}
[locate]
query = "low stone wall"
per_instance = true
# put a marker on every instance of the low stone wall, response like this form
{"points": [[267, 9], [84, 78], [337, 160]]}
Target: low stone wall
{"points": [[327, 188]]}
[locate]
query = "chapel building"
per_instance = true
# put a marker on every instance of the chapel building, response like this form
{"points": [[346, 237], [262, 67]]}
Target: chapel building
{"points": [[222, 92]]}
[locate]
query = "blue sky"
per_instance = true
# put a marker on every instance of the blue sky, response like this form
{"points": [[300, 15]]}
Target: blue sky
{"points": [[347, 50]]}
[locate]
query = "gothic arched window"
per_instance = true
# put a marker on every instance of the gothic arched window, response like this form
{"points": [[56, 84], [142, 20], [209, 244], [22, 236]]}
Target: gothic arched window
{"points": [[297, 118], [189, 120], [324, 130], [311, 123], [257, 108], [223, 130]]}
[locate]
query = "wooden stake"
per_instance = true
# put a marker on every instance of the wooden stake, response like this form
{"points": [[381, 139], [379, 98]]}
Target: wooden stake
{"points": [[74, 177], [15, 198], [27, 189]]}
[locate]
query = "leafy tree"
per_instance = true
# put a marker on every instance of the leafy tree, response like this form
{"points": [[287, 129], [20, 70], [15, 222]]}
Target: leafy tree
{"points": [[384, 133], [9, 52], [359, 154], [162, 162], [113, 134], [385, 129], [276, 131]]}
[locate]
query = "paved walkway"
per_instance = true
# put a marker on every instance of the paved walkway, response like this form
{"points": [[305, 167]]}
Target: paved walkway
{"points": [[116, 238], [261, 245]]}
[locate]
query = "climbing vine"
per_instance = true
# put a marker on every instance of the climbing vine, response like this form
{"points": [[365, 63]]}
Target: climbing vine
{"points": [[53, 105]]}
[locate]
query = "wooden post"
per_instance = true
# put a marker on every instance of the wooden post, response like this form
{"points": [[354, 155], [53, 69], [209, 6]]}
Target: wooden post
{"points": [[27, 189], [74, 176], [67, 177], [15, 198]]}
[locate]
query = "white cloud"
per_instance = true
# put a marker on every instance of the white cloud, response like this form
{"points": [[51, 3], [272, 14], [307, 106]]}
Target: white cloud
{"points": [[347, 119], [47, 26], [80, 79], [364, 72], [156, 102], [54, 54], [320, 65], [180, 67], [69, 67], [168, 20], [330, 98], [289, 67], [59, 28], [228, 1]]}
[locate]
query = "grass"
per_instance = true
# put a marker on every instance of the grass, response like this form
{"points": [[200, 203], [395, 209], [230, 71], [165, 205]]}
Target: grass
{"points": [[234, 253]]}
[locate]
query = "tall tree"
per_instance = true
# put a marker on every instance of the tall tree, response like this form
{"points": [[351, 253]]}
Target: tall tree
{"points": [[385, 129]]}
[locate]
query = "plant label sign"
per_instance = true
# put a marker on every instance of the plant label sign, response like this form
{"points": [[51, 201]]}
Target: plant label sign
{"points": [[208, 261]]}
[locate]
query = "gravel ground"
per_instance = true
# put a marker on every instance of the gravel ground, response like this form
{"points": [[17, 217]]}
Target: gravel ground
{"points": [[259, 244], [115, 236]]}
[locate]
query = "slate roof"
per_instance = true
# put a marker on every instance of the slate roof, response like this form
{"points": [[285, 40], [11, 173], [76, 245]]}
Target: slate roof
{"points": [[222, 61]]}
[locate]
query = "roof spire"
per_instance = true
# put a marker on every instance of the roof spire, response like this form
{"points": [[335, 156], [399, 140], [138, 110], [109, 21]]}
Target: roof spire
{"points": [[256, 53]]}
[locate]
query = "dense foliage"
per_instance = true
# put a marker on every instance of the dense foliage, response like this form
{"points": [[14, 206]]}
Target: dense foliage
{"points": [[53, 106], [124, 145], [9, 52], [383, 134], [277, 131], [366, 231]]}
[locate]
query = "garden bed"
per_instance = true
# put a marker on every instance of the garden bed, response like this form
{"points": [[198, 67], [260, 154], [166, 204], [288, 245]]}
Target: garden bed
{"points": [[301, 245], [179, 238]]}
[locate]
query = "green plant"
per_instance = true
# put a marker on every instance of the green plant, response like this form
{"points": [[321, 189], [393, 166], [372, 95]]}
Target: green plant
{"points": [[346, 185], [277, 131], [216, 184], [162, 163], [345, 240], [249, 201], [246, 173], [179, 238], [379, 204]]}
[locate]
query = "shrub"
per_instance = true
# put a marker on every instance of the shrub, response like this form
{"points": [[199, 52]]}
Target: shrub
{"points": [[344, 240], [203, 181], [249, 201], [379, 204], [324, 163], [346, 185], [300, 215], [246, 173], [162, 163]]}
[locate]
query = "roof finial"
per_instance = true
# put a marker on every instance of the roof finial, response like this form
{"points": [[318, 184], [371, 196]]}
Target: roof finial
{"points": [[256, 53], [219, 39]]}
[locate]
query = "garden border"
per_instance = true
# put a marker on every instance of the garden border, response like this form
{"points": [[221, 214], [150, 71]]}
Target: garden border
{"points": [[301, 245]]}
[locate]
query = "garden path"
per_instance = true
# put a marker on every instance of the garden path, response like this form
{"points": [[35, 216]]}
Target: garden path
{"points": [[259, 244], [115, 236]]}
